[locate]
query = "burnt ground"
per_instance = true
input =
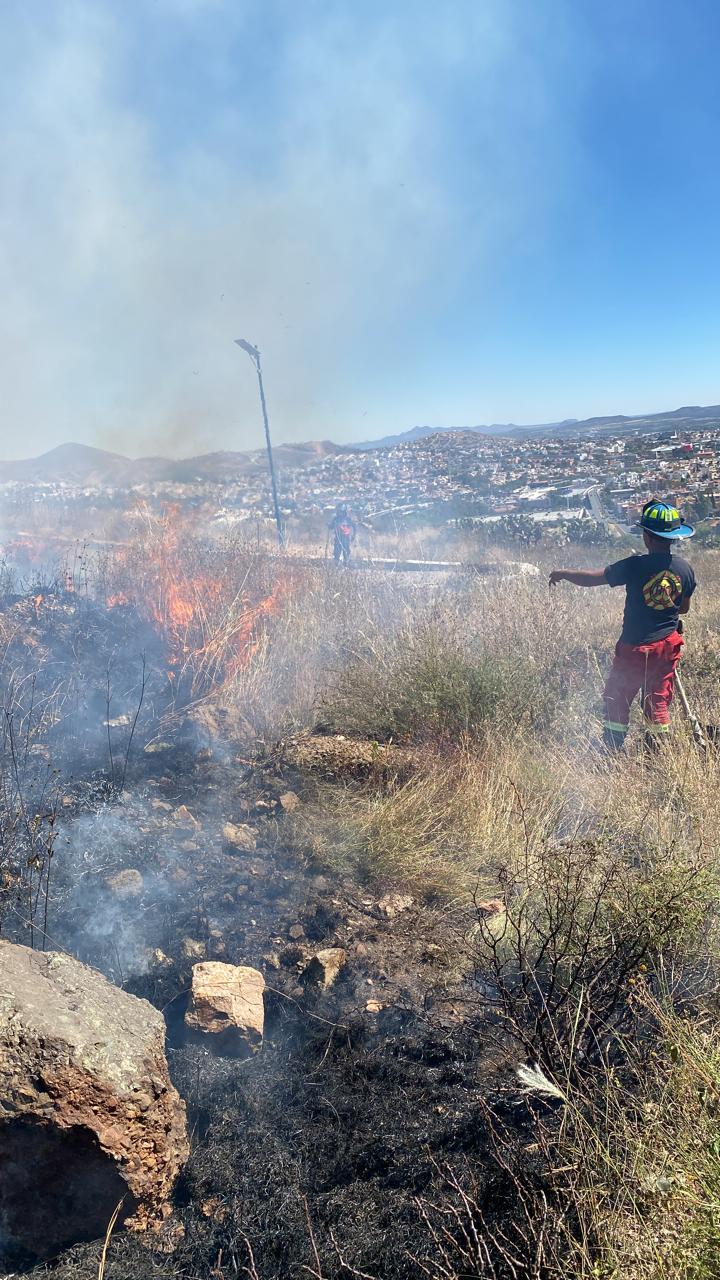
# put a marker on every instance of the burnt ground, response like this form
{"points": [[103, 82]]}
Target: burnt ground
{"points": [[317, 1155]]}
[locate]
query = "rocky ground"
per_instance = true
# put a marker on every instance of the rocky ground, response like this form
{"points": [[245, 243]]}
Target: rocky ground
{"points": [[335, 1148], [365, 1093]]}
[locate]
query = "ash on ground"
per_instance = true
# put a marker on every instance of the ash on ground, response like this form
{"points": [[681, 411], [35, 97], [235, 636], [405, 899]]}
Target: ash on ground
{"points": [[372, 1095]]}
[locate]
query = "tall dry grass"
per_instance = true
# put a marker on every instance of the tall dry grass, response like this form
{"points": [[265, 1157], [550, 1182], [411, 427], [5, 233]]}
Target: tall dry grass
{"points": [[442, 833], [497, 678], [608, 968], [496, 682]]}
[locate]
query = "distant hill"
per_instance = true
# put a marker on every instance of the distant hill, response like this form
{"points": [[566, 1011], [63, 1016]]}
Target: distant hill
{"points": [[422, 433], [85, 466], [688, 417], [74, 463]]}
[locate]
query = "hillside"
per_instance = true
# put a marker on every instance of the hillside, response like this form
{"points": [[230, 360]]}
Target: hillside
{"points": [[687, 417], [73, 463], [483, 954], [81, 464]]}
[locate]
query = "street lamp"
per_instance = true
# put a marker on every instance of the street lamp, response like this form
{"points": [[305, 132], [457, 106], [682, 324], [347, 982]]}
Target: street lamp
{"points": [[254, 355]]}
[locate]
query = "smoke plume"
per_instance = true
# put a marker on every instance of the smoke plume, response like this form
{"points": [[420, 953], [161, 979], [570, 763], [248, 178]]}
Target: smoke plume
{"points": [[180, 174]]}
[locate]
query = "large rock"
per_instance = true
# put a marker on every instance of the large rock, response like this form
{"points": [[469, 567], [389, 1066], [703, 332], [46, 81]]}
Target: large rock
{"points": [[226, 1002], [88, 1115]]}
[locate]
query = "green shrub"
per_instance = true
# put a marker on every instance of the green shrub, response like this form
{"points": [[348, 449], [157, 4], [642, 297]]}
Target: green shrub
{"points": [[430, 688]]}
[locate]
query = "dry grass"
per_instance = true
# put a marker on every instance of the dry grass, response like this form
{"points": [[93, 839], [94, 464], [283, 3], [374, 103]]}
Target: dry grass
{"points": [[443, 832], [498, 682], [609, 865], [501, 666], [642, 1146]]}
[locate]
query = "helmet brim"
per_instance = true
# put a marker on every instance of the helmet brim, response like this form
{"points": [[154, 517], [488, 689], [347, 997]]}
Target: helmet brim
{"points": [[682, 531]]}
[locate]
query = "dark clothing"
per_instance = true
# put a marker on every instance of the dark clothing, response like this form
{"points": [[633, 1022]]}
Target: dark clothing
{"points": [[656, 585], [343, 526]]}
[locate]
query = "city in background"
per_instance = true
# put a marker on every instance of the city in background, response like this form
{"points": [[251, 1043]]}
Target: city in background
{"points": [[580, 485]]}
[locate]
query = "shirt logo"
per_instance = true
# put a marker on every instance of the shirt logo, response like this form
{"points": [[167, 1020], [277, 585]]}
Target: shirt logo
{"points": [[664, 591]]}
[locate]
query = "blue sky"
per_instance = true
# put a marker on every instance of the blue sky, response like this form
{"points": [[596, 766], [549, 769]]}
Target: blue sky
{"points": [[481, 211]]}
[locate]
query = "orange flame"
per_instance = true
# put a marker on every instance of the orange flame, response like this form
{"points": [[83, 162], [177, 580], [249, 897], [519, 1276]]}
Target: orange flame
{"points": [[248, 639], [207, 627]]}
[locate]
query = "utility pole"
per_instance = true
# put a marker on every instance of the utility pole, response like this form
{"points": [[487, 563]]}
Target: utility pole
{"points": [[254, 355]]}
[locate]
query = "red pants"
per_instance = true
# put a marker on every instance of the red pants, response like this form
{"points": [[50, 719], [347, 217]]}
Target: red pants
{"points": [[647, 669]]}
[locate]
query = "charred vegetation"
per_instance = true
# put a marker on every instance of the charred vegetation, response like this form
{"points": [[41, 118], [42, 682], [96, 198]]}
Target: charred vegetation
{"points": [[187, 777]]}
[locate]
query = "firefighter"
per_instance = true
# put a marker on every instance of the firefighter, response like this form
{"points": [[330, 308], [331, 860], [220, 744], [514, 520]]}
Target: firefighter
{"points": [[658, 587], [342, 526]]}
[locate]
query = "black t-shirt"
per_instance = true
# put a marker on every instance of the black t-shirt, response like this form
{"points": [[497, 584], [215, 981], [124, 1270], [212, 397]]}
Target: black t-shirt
{"points": [[656, 585]]}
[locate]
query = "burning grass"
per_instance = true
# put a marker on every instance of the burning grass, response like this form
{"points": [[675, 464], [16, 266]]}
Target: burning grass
{"points": [[210, 609], [382, 1130]]}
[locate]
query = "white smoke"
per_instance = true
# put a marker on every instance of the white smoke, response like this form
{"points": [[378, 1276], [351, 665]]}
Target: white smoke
{"points": [[179, 174]]}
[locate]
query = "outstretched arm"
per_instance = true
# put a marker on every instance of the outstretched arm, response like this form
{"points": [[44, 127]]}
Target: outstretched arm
{"points": [[579, 577]]}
